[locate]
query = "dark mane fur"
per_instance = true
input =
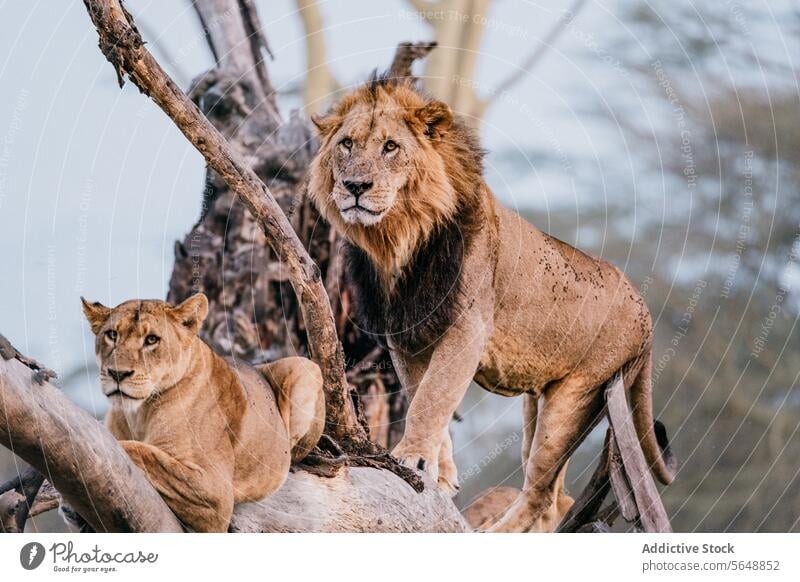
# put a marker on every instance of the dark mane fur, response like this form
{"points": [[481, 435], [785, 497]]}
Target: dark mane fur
{"points": [[426, 296]]}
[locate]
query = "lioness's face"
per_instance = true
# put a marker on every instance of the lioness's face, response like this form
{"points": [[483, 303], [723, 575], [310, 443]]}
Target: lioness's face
{"points": [[374, 146], [143, 347]]}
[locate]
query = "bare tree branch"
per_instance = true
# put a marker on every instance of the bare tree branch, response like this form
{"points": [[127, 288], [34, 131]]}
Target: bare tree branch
{"points": [[228, 26], [406, 54], [11, 502]]}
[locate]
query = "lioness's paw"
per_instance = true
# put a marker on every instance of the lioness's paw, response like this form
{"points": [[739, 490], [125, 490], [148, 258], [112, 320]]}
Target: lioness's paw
{"points": [[448, 486], [422, 461], [448, 477]]}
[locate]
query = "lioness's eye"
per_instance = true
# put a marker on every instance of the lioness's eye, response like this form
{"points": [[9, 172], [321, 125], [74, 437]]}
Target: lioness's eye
{"points": [[151, 340], [111, 335], [390, 146], [347, 143]]}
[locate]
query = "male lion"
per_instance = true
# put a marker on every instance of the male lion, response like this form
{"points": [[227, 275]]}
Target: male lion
{"points": [[460, 288], [207, 432]]}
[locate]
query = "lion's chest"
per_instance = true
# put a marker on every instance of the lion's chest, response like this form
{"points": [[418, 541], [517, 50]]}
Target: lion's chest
{"points": [[131, 412], [423, 302]]}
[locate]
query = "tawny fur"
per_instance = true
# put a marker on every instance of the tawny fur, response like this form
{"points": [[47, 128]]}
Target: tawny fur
{"points": [[532, 315], [208, 432]]}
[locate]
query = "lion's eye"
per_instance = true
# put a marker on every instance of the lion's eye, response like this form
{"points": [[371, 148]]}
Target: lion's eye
{"points": [[390, 146], [111, 335], [347, 143], [151, 340]]}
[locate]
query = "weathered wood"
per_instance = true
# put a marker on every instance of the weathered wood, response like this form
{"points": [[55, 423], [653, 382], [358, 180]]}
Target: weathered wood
{"points": [[627, 475], [31, 482], [253, 313], [651, 511], [623, 492], [11, 502], [588, 503], [406, 54], [346, 502], [356, 499]]}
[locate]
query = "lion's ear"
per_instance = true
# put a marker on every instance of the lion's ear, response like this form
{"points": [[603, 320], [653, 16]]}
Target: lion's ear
{"points": [[96, 313], [437, 118], [325, 124], [192, 312]]}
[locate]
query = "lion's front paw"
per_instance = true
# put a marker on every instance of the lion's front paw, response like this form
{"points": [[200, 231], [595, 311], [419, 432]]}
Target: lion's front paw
{"points": [[425, 461], [448, 476]]}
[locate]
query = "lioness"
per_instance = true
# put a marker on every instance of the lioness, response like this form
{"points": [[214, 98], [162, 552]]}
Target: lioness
{"points": [[207, 432], [460, 288]]}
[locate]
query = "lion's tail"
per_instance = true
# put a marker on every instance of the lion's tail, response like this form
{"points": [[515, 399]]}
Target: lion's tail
{"points": [[652, 434]]}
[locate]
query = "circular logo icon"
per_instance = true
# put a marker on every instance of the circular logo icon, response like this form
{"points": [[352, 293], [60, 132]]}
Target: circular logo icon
{"points": [[31, 555]]}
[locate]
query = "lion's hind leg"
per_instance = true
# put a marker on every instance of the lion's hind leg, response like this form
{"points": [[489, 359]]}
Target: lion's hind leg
{"points": [[568, 410], [297, 383]]}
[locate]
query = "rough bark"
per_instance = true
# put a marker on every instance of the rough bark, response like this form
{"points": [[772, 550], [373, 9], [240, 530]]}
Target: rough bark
{"points": [[644, 497], [12, 503]]}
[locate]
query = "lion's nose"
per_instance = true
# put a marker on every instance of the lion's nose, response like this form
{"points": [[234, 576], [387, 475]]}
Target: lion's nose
{"points": [[119, 375], [357, 188]]}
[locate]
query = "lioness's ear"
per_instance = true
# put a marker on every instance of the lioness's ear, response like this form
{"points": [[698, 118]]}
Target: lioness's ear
{"points": [[96, 313], [437, 118], [192, 312], [326, 124]]}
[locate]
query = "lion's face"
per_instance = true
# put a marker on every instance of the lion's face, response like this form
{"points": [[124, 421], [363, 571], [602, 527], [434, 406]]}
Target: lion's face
{"points": [[377, 146], [143, 347]]}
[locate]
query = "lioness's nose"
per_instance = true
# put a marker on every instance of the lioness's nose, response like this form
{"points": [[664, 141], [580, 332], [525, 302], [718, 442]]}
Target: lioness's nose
{"points": [[357, 188], [120, 375]]}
